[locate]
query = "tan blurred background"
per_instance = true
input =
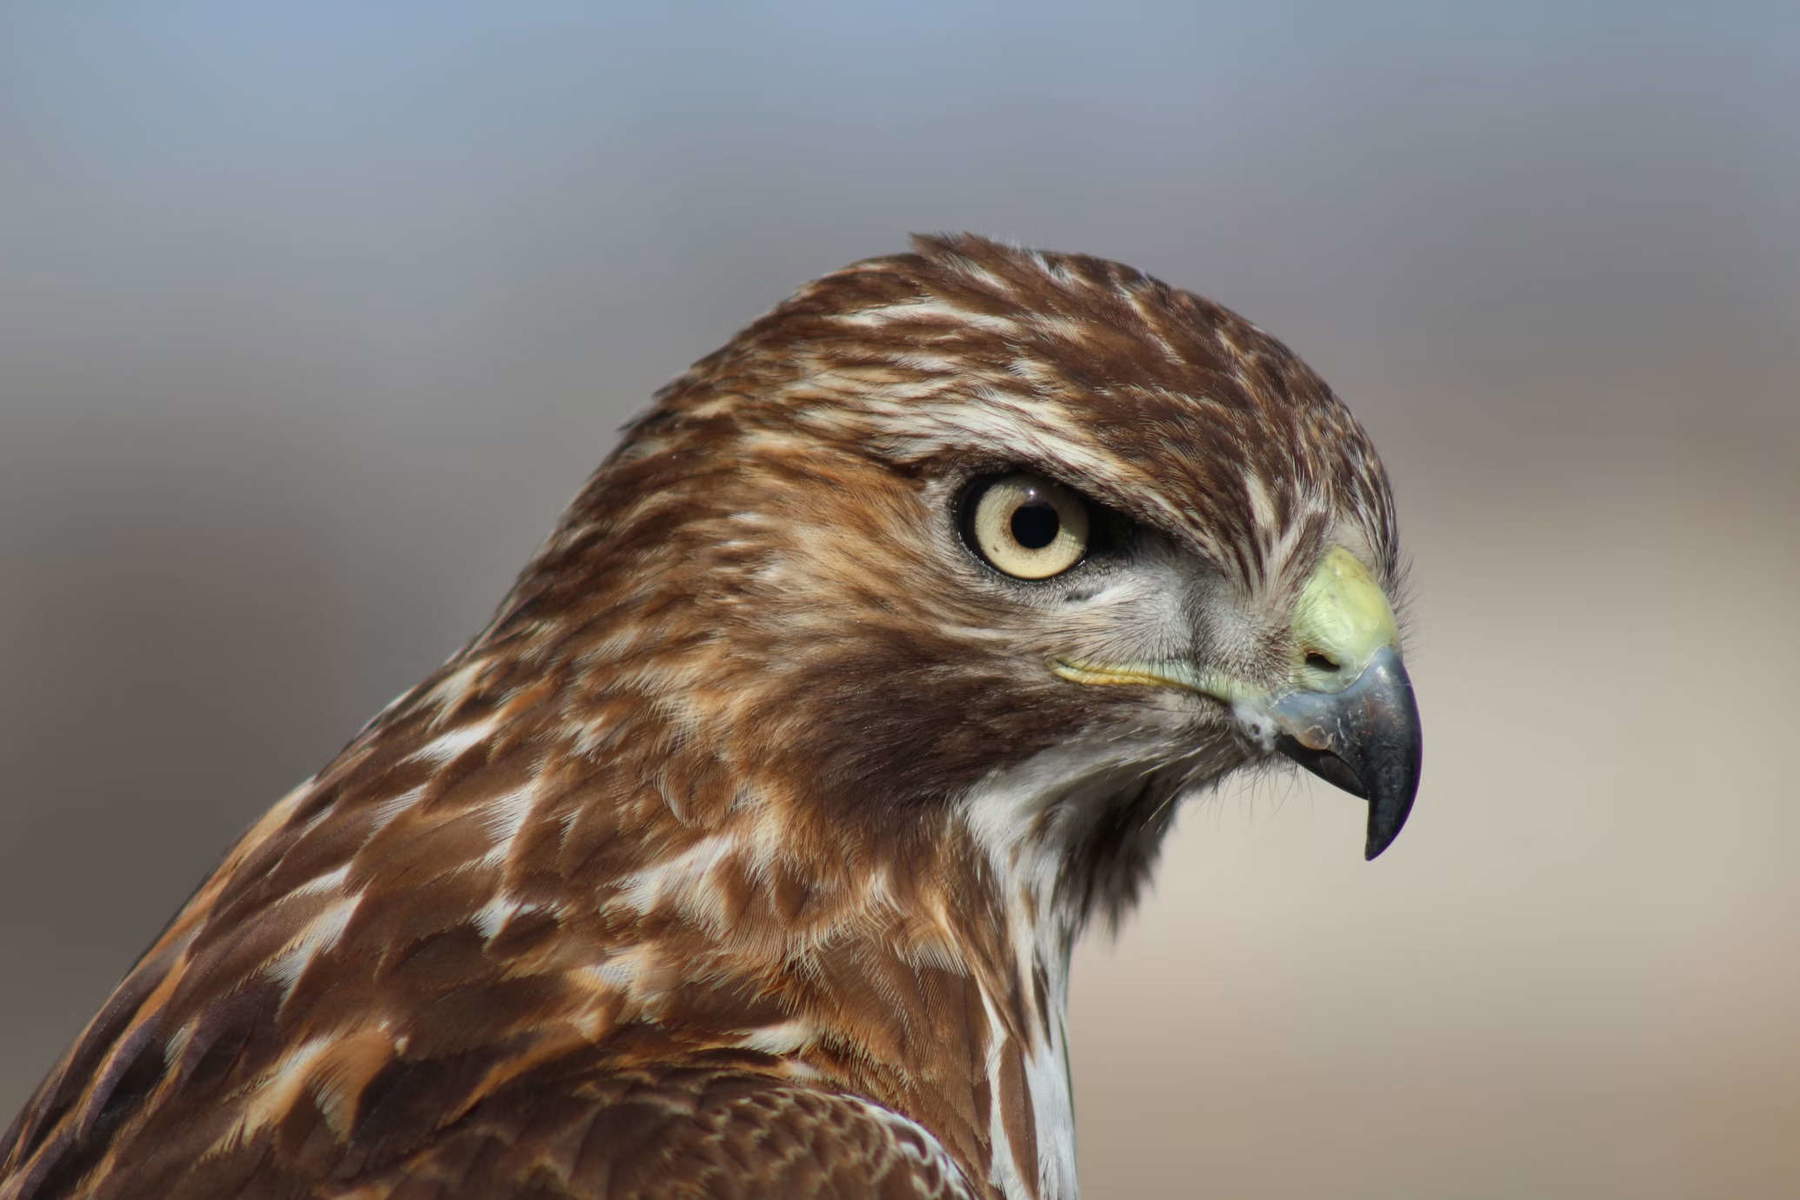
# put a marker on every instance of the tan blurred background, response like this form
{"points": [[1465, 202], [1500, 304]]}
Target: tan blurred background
{"points": [[312, 317]]}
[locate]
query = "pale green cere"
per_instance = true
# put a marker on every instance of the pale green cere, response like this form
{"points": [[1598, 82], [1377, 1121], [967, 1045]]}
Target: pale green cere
{"points": [[1343, 616]]}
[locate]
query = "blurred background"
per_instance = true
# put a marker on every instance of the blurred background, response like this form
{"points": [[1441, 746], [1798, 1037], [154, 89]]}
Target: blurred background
{"points": [[312, 317]]}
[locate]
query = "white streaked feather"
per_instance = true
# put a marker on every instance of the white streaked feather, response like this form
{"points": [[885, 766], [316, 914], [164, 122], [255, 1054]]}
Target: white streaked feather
{"points": [[290, 963], [450, 745]]}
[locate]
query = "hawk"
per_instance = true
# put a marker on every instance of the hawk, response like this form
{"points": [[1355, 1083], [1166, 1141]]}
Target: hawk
{"points": [[742, 854]]}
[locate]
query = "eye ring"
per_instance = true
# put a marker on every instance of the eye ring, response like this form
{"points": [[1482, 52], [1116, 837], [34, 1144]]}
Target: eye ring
{"points": [[1027, 526]]}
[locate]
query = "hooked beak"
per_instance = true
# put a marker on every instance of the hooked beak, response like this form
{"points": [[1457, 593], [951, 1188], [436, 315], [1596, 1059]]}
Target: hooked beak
{"points": [[1364, 739], [1346, 711]]}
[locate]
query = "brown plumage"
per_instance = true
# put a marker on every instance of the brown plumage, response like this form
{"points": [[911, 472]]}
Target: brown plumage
{"points": [[742, 853]]}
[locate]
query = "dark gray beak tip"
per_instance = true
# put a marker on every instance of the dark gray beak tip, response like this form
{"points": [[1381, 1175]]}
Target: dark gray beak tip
{"points": [[1385, 823], [1365, 739]]}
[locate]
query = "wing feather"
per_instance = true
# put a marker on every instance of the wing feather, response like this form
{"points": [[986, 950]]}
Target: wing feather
{"points": [[672, 1133]]}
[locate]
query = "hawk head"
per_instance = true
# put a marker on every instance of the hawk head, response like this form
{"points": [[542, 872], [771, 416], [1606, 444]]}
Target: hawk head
{"points": [[1032, 539]]}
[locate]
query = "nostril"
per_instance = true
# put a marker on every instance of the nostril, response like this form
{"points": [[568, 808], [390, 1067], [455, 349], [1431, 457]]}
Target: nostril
{"points": [[1319, 662]]}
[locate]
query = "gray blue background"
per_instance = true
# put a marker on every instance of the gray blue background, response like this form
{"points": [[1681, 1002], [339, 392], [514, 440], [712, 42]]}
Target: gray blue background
{"points": [[313, 316]]}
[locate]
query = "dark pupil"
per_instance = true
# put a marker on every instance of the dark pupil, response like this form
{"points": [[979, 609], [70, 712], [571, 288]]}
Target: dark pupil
{"points": [[1034, 525]]}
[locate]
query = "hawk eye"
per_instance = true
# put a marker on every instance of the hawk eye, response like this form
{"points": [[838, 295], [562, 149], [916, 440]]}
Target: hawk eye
{"points": [[1027, 526]]}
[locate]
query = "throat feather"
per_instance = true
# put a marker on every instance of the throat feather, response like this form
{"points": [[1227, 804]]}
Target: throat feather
{"points": [[1057, 836]]}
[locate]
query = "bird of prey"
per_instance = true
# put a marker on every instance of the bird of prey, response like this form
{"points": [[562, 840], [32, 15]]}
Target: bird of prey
{"points": [[742, 853]]}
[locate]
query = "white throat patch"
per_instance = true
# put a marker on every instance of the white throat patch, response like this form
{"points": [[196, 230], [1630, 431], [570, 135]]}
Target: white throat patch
{"points": [[1028, 820]]}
